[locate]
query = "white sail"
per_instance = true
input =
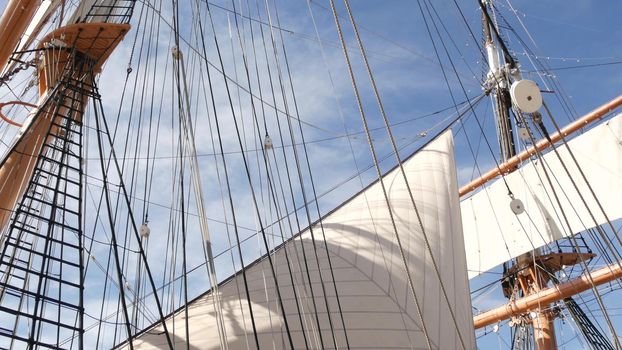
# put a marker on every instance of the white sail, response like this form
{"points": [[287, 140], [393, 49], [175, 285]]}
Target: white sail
{"points": [[378, 309], [494, 234], [97, 8]]}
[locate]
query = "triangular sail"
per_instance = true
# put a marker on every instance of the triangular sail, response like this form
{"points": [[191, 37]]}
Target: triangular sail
{"points": [[378, 309], [494, 234]]}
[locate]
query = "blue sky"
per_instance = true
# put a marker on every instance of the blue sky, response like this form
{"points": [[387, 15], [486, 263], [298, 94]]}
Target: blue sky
{"points": [[411, 82], [408, 74]]}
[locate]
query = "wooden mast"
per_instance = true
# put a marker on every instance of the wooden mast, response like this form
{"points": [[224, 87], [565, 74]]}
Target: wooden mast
{"points": [[532, 270], [549, 295], [539, 296], [531, 279], [96, 41], [13, 24]]}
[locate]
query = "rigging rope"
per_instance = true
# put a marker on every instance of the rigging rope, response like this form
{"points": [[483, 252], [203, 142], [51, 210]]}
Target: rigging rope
{"points": [[567, 223], [379, 175], [403, 172]]}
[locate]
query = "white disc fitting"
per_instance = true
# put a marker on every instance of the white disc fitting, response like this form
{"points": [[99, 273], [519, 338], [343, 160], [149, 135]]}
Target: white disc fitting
{"points": [[144, 230], [523, 133], [267, 143], [517, 206], [526, 95]]}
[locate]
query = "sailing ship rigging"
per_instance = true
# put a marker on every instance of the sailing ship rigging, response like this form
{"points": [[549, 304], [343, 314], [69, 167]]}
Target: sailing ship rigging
{"points": [[164, 185]]}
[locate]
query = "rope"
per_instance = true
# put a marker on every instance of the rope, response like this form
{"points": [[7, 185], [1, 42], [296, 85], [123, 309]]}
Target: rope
{"points": [[401, 167], [379, 174]]}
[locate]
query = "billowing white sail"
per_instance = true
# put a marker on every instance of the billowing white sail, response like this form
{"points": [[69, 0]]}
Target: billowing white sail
{"points": [[378, 309], [494, 234]]}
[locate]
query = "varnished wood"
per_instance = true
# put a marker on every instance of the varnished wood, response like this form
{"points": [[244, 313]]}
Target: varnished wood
{"points": [[13, 24], [549, 295], [95, 41], [512, 163]]}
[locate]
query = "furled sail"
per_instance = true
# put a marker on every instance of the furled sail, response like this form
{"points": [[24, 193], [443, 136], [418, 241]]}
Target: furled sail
{"points": [[495, 234], [99, 9], [378, 309]]}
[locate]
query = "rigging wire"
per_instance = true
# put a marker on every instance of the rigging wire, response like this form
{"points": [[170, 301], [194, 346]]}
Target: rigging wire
{"points": [[562, 96], [178, 66], [567, 223], [218, 69], [351, 148], [402, 171], [167, 284], [270, 178], [118, 265], [311, 178], [152, 158], [98, 108], [391, 41], [226, 176], [579, 66], [253, 194], [380, 179], [291, 191]]}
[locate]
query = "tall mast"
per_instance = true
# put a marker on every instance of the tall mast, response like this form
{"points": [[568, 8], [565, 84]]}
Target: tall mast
{"points": [[531, 273], [531, 279], [497, 81], [42, 183], [13, 24]]}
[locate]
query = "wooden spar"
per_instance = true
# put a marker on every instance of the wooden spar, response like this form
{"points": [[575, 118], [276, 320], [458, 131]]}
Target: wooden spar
{"points": [[13, 24], [42, 17], [548, 295], [512, 163]]}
